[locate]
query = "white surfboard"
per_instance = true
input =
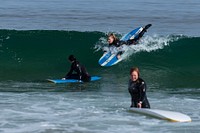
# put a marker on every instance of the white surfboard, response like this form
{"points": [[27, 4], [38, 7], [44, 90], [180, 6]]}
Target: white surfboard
{"points": [[162, 114]]}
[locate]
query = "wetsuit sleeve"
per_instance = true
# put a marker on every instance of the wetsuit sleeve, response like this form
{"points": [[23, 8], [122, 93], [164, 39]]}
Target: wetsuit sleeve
{"points": [[142, 91], [129, 85], [128, 42], [119, 43], [131, 41], [70, 71], [79, 72]]}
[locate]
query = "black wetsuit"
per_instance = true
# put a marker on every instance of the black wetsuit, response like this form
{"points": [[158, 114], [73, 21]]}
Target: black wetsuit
{"points": [[118, 43], [81, 73], [137, 90]]}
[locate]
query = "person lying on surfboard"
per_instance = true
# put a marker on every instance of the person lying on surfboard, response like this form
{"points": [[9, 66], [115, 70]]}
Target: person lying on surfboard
{"points": [[80, 71], [137, 89], [114, 41]]}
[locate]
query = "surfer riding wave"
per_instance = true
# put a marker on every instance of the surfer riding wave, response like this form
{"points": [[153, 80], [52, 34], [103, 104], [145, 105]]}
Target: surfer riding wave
{"points": [[115, 44]]}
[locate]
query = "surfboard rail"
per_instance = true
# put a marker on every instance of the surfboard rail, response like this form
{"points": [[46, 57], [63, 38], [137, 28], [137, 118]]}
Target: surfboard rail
{"points": [[58, 81], [162, 114]]}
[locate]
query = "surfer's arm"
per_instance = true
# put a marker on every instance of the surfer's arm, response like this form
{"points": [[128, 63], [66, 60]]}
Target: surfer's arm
{"points": [[79, 72], [70, 72], [142, 92], [131, 41], [119, 43], [128, 42]]}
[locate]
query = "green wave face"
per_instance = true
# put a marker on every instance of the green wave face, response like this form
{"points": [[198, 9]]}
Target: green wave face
{"points": [[41, 54]]}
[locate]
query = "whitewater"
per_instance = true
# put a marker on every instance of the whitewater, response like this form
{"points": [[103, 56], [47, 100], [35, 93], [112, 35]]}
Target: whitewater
{"points": [[36, 37]]}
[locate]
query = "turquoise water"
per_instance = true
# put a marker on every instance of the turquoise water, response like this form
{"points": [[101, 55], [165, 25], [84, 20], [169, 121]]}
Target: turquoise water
{"points": [[36, 38]]}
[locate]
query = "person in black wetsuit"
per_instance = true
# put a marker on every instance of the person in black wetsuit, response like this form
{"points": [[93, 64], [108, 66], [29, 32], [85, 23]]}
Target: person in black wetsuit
{"points": [[114, 41], [137, 89], [80, 71]]}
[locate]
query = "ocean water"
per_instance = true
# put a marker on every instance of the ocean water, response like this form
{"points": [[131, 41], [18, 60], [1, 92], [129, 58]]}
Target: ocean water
{"points": [[37, 36]]}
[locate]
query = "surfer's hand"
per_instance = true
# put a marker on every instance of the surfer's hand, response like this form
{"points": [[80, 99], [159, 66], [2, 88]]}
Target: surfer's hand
{"points": [[139, 105]]}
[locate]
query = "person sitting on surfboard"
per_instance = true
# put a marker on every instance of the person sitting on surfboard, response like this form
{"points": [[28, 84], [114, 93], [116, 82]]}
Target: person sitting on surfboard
{"points": [[80, 71], [137, 89], [114, 41]]}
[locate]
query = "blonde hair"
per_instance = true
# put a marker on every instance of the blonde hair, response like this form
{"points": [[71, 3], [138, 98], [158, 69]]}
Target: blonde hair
{"points": [[112, 35]]}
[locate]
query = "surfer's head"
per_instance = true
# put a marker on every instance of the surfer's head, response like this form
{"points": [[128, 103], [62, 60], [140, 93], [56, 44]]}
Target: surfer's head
{"points": [[72, 58], [134, 73], [111, 38]]}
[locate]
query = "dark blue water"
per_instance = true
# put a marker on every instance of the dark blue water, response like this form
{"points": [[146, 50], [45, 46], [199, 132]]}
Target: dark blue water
{"points": [[36, 36], [168, 17]]}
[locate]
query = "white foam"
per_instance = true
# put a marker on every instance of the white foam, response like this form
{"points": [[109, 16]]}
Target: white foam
{"points": [[151, 43], [147, 44]]}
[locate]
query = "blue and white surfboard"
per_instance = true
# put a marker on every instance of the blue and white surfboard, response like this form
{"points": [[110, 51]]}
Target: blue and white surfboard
{"points": [[58, 81], [131, 35], [109, 58]]}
